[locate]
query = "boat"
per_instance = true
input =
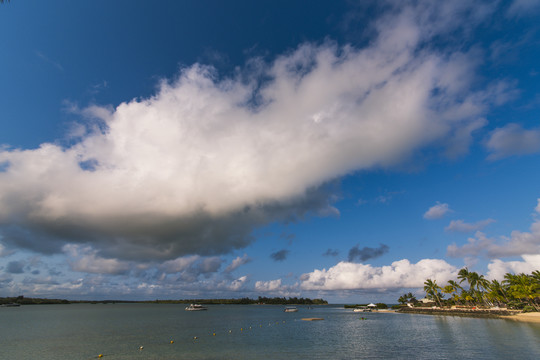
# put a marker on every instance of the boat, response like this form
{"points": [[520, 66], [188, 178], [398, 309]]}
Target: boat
{"points": [[10, 305], [290, 309], [195, 307], [362, 309]]}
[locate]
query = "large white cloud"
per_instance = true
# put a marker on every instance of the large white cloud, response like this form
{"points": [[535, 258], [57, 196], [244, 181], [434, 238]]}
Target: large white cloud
{"points": [[400, 274], [498, 268], [194, 168]]}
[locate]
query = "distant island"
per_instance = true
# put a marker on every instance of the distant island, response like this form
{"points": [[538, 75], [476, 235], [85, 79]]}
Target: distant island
{"points": [[21, 300]]}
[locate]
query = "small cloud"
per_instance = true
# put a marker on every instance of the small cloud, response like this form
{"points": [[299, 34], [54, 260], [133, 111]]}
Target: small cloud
{"points": [[437, 211], [280, 255], [513, 140], [461, 226], [331, 252], [387, 197], [238, 283], [86, 259], [271, 285], [236, 263], [367, 253]]}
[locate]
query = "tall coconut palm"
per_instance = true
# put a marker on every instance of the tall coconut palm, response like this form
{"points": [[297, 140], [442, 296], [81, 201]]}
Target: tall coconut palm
{"points": [[498, 291], [456, 290], [432, 291]]}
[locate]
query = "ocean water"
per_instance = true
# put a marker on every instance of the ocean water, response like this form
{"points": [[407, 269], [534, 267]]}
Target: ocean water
{"points": [[83, 331]]}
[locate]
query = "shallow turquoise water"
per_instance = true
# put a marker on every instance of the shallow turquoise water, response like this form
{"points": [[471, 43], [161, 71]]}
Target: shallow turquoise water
{"points": [[254, 332]]}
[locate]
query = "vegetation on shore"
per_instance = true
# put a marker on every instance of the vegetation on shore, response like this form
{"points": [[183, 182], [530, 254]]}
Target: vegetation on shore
{"points": [[243, 301], [379, 306], [519, 291]]}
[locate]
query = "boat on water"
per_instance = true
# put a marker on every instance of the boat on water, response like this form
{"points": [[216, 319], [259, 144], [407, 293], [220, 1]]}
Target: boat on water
{"points": [[362, 309], [195, 307], [10, 305], [290, 309]]}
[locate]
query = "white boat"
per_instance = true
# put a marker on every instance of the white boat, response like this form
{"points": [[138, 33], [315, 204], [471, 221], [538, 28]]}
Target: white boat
{"points": [[290, 309], [362, 309], [195, 307]]}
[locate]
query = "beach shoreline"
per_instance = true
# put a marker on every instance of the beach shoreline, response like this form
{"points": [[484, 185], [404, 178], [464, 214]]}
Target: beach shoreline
{"points": [[533, 317], [515, 315]]}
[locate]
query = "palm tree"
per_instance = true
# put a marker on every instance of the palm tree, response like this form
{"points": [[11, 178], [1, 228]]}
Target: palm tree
{"points": [[456, 288], [499, 292], [432, 291]]}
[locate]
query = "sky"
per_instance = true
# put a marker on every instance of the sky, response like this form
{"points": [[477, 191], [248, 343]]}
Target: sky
{"points": [[345, 150]]}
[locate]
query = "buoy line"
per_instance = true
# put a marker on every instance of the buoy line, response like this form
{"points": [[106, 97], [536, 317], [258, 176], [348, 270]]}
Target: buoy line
{"points": [[194, 339]]}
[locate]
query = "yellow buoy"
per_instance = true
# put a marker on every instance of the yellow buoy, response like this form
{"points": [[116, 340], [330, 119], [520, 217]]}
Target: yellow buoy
{"points": [[141, 347], [100, 356], [214, 334], [172, 341]]}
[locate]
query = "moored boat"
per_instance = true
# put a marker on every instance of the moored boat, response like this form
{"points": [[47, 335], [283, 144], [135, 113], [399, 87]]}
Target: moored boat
{"points": [[290, 309], [195, 307]]}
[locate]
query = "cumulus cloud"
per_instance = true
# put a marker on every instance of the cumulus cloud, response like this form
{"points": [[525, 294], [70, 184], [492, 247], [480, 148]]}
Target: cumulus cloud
{"points": [[498, 268], [517, 244], [266, 286], [367, 253], [280, 255], [236, 263], [511, 140], [238, 283], [462, 226], [196, 167], [437, 211], [85, 259], [400, 274]]}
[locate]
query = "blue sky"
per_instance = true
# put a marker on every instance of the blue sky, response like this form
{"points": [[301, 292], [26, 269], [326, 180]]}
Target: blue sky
{"points": [[345, 150]]}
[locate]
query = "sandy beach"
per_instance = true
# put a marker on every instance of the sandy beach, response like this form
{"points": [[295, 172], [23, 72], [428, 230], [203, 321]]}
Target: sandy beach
{"points": [[529, 317]]}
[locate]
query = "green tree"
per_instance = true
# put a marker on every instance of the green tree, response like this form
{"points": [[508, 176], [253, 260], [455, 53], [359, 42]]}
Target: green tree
{"points": [[432, 291]]}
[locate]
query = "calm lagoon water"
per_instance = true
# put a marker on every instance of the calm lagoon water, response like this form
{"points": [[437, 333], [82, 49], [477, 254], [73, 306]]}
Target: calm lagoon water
{"points": [[254, 332]]}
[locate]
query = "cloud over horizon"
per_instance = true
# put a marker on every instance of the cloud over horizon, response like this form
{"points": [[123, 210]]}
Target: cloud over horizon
{"points": [[400, 274], [196, 167]]}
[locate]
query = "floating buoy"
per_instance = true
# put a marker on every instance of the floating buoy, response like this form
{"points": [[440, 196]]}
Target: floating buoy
{"points": [[172, 341], [141, 347], [194, 338], [100, 356], [214, 334], [241, 329], [230, 331]]}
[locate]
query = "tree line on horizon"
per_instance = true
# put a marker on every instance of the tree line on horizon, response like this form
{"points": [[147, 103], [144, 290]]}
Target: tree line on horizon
{"points": [[243, 301], [517, 291]]}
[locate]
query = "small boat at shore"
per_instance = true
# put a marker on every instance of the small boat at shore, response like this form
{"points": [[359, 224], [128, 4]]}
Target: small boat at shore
{"points": [[362, 309], [290, 309], [10, 305], [195, 307]]}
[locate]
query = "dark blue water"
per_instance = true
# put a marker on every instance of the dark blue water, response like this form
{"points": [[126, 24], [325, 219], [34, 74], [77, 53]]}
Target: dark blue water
{"points": [[254, 332]]}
